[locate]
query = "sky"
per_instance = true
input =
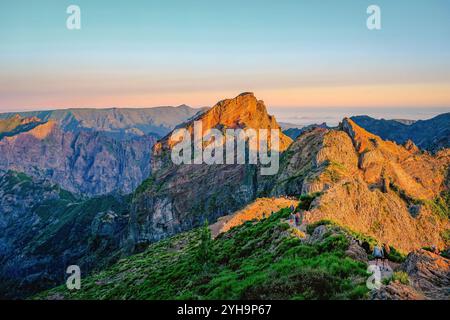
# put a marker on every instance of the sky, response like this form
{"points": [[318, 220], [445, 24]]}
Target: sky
{"points": [[290, 53]]}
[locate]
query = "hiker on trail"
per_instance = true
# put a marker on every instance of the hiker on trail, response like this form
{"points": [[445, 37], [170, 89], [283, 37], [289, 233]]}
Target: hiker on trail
{"points": [[386, 252], [299, 218], [377, 254]]}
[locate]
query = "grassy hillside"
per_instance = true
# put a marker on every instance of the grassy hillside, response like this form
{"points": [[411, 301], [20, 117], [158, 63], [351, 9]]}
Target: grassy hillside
{"points": [[257, 260]]}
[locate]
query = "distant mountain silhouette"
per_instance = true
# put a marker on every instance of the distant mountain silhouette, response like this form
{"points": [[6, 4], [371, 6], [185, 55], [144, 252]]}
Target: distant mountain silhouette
{"points": [[293, 133], [120, 122], [431, 135], [87, 151]]}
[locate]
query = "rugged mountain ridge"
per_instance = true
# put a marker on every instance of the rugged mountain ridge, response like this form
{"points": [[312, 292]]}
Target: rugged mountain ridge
{"points": [[87, 151], [394, 193], [83, 162], [117, 122], [432, 135], [373, 186], [179, 197], [293, 133]]}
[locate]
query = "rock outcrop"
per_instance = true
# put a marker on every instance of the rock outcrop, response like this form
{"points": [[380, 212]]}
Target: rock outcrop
{"points": [[372, 186], [259, 209], [428, 273], [397, 291], [428, 277], [179, 197]]}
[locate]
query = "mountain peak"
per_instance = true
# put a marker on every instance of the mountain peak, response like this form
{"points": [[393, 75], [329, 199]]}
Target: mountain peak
{"points": [[362, 139], [246, 94], [387, 162], [244, 111]]}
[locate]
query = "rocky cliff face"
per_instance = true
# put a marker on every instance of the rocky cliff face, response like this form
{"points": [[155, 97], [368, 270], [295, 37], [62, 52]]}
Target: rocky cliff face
{"points": [[428, 277], [397, 194], [84, 162], [87, 151], [179, 197], [44, 229], [116, 122], [372, 186]]}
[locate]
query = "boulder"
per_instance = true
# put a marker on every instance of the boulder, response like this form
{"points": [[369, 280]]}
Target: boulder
{"points": [[428, 273]]}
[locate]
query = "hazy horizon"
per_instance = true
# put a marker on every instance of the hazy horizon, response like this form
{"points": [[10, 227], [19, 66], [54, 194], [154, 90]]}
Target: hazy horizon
{"points": [[304, 116]]}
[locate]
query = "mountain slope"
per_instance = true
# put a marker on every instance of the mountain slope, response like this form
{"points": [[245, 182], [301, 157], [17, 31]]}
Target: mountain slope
{"points": [[119, 122], [44, 229], [87, 151], [375, 187], [396, 194], [264, 260], [180, 197], [432, 134], [84, 162], [370, 185]]}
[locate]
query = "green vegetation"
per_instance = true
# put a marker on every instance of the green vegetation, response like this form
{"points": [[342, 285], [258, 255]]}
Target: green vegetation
{"points": [[440, 205], [311, 227], [396, 256], [53, 226], [446, 236], [260, 260], [305, 200], [145, 185], [334, 170], [399, 276], [73, 218]]}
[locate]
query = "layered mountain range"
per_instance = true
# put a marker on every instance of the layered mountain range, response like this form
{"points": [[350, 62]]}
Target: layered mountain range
{"points": [[391, 192], [374, 186], [89, 152], [432, 135]]}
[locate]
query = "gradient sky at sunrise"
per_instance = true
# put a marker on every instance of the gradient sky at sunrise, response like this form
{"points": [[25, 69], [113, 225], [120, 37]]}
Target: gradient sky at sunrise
{"points": [[299, 53]]}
